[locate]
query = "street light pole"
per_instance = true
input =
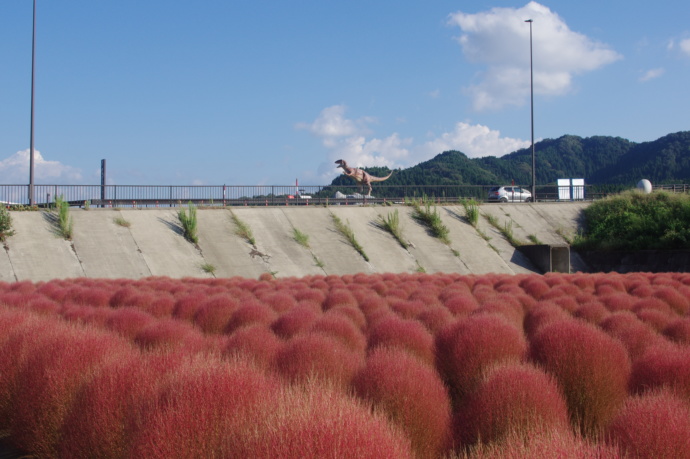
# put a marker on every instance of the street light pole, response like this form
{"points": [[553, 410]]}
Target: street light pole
{"points": [[32, 200], [531, 92]]}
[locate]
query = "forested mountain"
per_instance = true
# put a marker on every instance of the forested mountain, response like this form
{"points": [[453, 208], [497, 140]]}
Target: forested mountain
{"points": [[599, 160]]}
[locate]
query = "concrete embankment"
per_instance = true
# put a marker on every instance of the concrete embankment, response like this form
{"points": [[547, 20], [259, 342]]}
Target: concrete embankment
{"points": [[153, 244]]}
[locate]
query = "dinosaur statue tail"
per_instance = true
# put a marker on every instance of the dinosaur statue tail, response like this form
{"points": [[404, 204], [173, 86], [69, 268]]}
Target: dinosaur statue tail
{"points": [[380, 179]]}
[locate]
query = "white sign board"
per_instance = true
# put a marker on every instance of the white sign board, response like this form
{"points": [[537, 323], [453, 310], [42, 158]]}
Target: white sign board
{"points": [[571, 189]]}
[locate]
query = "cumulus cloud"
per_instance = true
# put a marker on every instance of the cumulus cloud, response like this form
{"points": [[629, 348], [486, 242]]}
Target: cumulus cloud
{"points": [[475, 141], [15, 170], [393, 151], [683, 46], [347, 139], [651, 74], [331, 124], [499, 39]]}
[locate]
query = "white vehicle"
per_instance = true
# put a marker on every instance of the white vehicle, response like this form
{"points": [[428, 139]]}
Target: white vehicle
{"points": [[509, 194]]}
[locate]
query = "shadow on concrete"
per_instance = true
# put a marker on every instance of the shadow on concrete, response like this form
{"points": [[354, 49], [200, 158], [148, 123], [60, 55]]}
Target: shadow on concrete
{"points": [[53, 223], [173, 226]]}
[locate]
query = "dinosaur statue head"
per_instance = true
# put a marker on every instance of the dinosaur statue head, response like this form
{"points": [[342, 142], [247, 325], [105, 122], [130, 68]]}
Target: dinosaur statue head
{"points": [[341, 163]]}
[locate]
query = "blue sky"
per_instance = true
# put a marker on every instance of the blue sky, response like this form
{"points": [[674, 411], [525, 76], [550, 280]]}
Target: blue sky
{"points": [[267, 91]]}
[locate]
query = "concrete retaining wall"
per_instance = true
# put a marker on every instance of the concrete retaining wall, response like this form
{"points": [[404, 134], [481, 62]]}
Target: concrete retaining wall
{"points": [[153, 244]]}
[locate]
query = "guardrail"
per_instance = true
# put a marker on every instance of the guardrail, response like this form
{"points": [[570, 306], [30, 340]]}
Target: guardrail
{"points": [[270, 195]]}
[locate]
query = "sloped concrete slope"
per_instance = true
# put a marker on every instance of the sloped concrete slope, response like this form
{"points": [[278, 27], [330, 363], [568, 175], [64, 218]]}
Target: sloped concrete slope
{"points": [[151, 243]]}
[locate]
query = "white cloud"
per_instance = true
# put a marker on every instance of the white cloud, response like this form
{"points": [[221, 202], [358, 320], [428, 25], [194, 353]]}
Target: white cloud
{"points": [[393, 151], [684, 46], [331, 124], [15, 170], [475, 141], [652, 74], [499, 39]]}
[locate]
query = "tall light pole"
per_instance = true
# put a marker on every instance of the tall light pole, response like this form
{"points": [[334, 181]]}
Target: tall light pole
{"points": [[31, 141], [531, 94]]}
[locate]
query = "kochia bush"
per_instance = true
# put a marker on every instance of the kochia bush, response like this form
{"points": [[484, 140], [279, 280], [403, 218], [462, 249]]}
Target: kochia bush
{"points": [[406, 334], [591, 367], [513, 399], [656, 424], [412, 394], [470, 346]]}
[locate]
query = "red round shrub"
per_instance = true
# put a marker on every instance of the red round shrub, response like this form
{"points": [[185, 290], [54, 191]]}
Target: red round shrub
{"points": [[339, 297], [656, 424], [591, 311], [256, 342], [279, 301], [341, 328], [658, 320], [512, 399], [435, 318], [412, 395], [355, 315], [542, 314], [313, 295], [187, 306], [317, 355], [158, 306], [251, 312], [128, 321], [461, 305], [554, 444], [56, 367], [635, 335], [170, 334], [672, 297], [294, 321], [203, 404], [468, 347], [106, 409], [535, 287], [504, 305], [408, 335], [678, 331], [407, 309], [95, 297], [591, 367], [663, 364], [617, 301], [215, 312], [316, 421]]}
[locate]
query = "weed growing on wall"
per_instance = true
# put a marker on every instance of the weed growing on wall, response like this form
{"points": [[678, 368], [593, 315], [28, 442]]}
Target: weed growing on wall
{"points": [[429, 217], [300, 237], [121, 221], [188, 221], [344, 229], [506, 230], [471, 211], [5, 224], [242, 229], [208, 268], [64, 221], [391, 223]]}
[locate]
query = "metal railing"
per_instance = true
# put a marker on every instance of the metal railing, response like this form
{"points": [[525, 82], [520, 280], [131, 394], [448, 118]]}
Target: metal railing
{"points": [[268, 195]]}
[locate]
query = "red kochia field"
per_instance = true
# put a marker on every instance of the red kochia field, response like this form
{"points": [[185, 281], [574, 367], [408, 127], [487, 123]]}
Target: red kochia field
{"points": [[386, 365]]}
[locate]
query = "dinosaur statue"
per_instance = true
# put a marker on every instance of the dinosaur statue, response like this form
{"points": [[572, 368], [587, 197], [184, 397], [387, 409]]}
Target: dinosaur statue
{"points": [[362, 177]]}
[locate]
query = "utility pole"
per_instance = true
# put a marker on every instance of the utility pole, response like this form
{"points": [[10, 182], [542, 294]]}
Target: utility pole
{"points": [[32, 199], [531, 93]]}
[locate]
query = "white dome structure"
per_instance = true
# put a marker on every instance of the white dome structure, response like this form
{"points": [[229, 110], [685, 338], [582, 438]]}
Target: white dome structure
{"points": [[645, 186]]}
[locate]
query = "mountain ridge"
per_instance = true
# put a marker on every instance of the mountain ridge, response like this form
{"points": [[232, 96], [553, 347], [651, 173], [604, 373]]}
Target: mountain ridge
{"points": [[600, 160]]}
